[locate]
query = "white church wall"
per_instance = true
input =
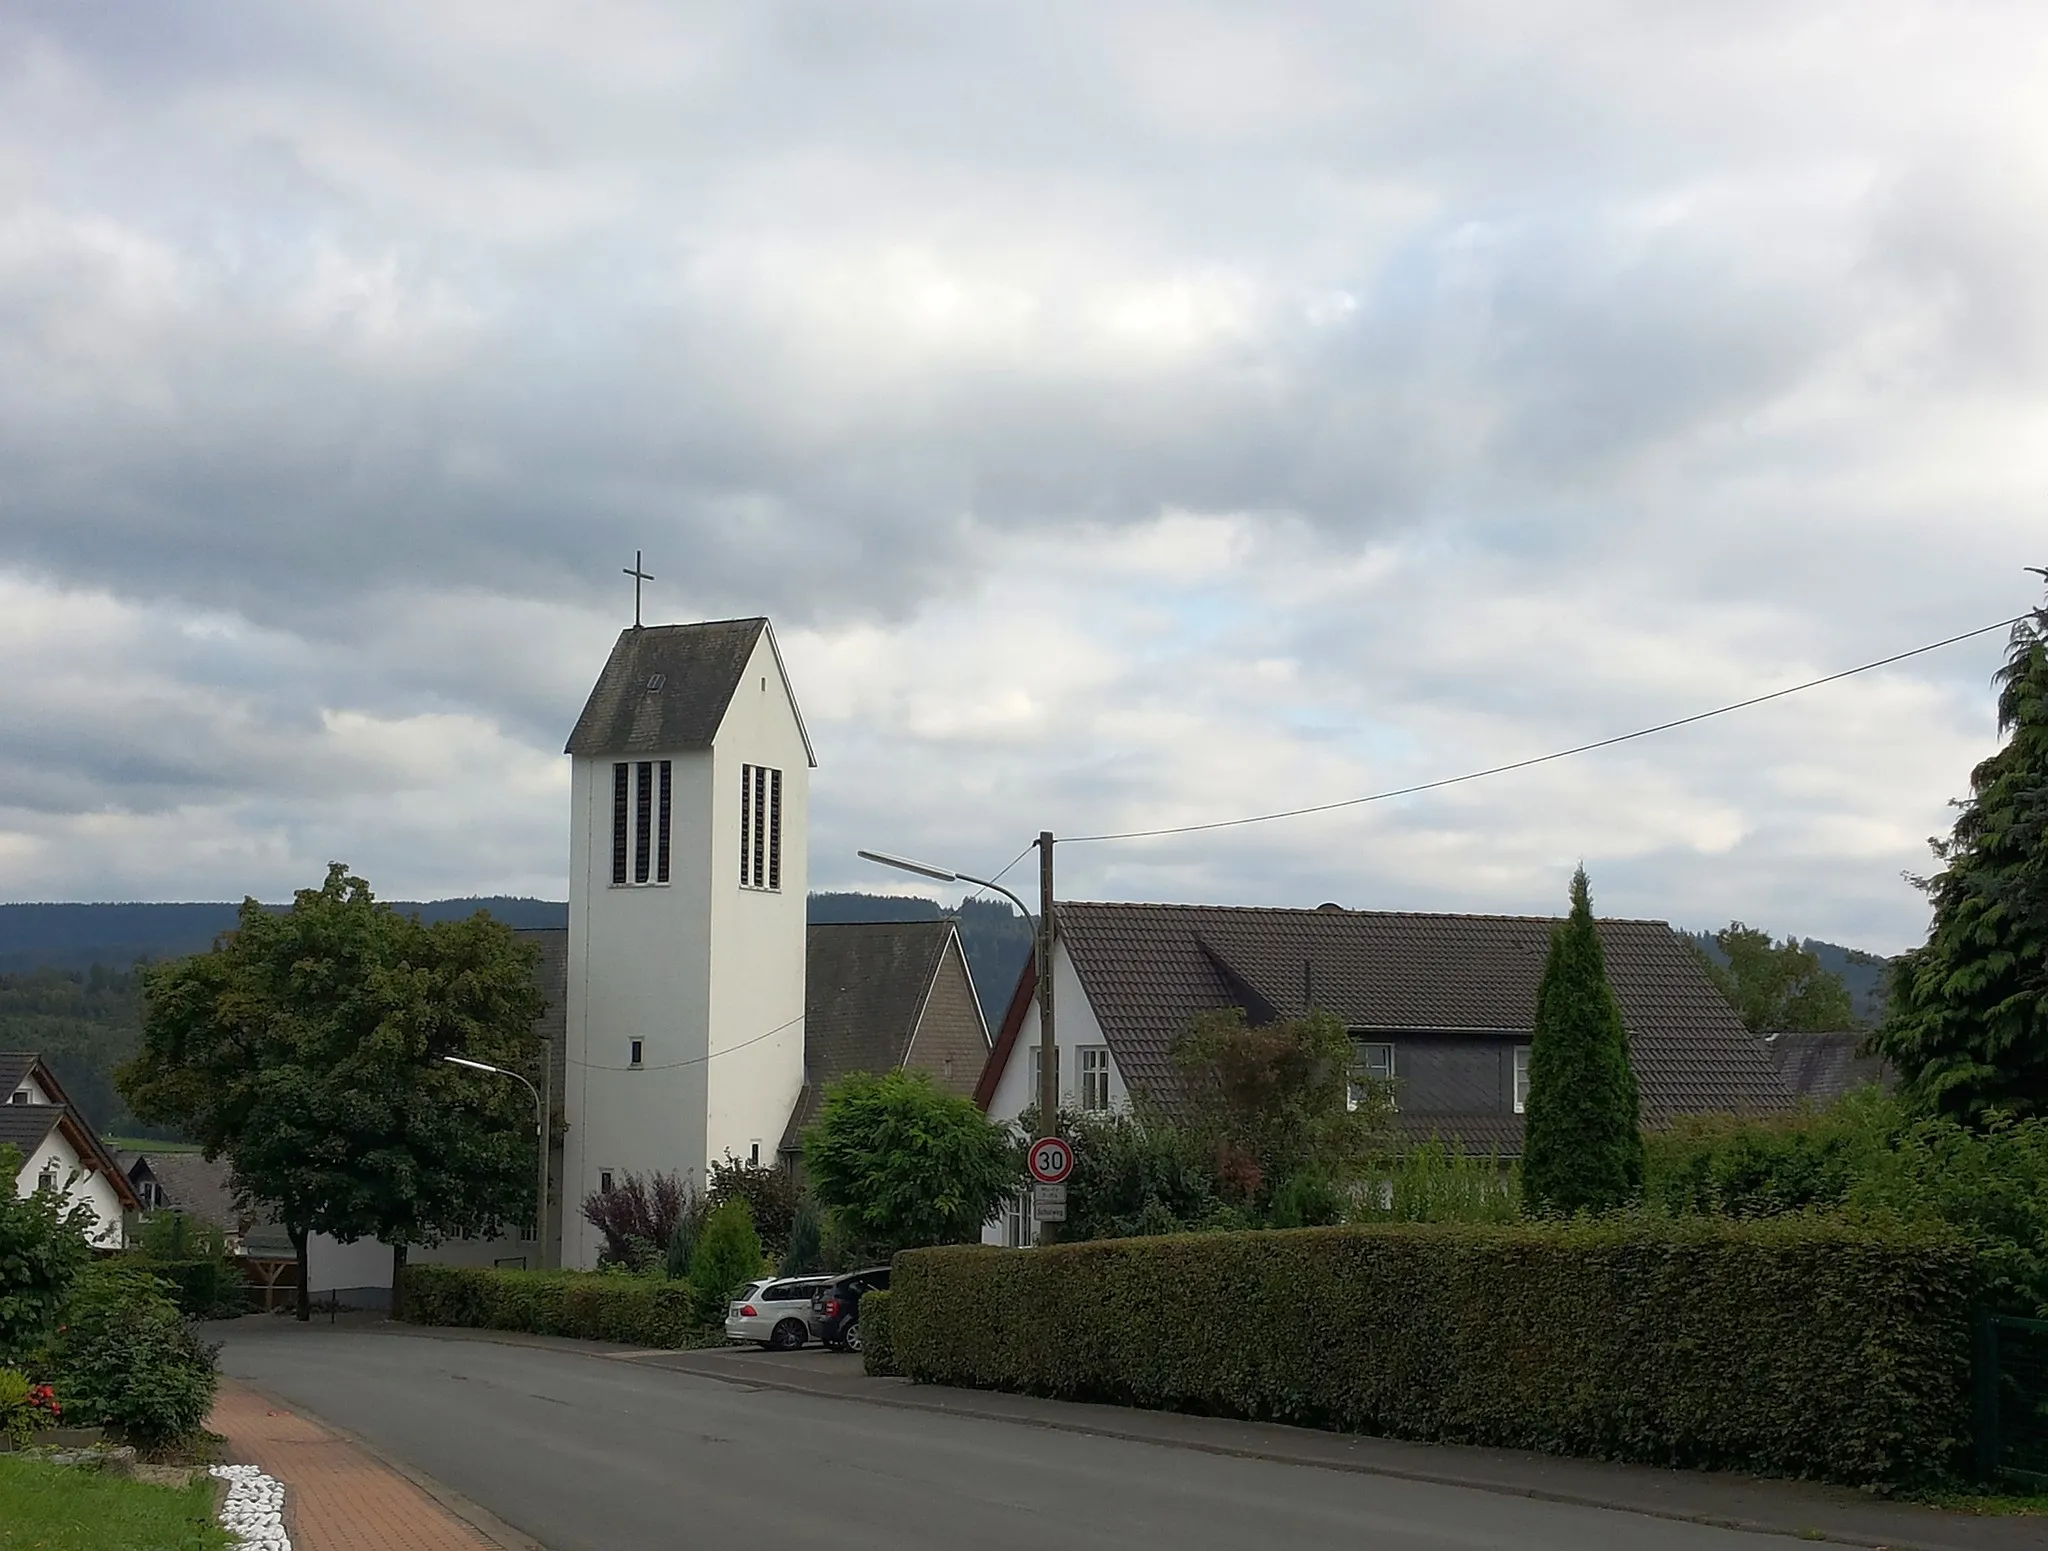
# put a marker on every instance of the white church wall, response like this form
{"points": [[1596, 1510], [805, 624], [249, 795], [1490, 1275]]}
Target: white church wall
{"points": [[639, 968], [759, 935]]}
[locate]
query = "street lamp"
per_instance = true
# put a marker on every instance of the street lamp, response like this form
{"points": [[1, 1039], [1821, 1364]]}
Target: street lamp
{"points": [[540, 1145], [1041, 958]]}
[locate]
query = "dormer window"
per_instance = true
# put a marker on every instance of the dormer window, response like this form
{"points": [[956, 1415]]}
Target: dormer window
{"points": [[641, 807]]}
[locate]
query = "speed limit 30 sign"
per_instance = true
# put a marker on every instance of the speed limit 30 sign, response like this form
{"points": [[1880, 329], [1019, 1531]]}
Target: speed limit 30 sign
{"points": [[1052, 1160]]}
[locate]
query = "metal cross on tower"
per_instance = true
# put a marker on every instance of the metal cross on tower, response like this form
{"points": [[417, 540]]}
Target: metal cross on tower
{"points": [[639, 575]]}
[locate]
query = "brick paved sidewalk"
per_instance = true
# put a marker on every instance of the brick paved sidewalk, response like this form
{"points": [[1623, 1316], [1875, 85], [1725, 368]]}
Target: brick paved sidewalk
{"points": [[338, 1496]]}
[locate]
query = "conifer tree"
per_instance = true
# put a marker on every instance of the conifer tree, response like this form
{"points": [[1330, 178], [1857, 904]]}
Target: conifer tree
{"points": [[1967, 1027], [1583, 1142]]}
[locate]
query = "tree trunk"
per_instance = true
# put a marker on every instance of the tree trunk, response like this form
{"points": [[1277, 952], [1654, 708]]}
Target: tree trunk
{"points": [[305, 1298], [398, 1281]]}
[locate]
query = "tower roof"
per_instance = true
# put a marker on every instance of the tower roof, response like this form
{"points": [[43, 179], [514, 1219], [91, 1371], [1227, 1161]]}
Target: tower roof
{"points": [[666, 687]]}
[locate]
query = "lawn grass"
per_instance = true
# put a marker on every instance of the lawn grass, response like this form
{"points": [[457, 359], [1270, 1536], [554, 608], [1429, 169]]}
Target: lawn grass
{"points": [[49, 1507]]}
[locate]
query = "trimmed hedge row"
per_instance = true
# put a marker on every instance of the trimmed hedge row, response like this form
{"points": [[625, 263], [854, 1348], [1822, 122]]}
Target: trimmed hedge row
{"points": [[589, 1305], [1787, 1347], [877, 1334]]}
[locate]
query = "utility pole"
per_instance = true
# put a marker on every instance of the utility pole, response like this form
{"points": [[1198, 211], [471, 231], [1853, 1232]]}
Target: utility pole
{"points": [[1048, 1045]]}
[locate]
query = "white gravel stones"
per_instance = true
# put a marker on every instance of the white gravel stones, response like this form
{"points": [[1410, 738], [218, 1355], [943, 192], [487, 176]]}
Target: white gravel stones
{"points": [[254, 1511]]}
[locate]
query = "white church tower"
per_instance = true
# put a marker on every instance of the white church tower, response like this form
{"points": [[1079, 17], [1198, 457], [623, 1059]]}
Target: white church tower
{"points": [[688, 872]]}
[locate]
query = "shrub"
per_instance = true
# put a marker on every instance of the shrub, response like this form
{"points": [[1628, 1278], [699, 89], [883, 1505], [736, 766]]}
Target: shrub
{"points": [[42, 1250], [641, 1311], [806, 1252], [728, 1257], [25, 1406], [1439, 1182], [1793, 1347], [682, 1249], [212, 1288], [126, 1359], [1136, 1175], [877, 1338], [638, 1216], [769, 1190]]}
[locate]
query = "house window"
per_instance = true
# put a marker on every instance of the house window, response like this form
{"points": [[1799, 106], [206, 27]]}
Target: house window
{"points": [[635, 1049], [1370, 1063], [760, 827], [1095, 1077], [1521, 1079], [604, 1182], [1017, 1221], [47, 1180], [754, 1154], [18, 1096], [641, 808]]}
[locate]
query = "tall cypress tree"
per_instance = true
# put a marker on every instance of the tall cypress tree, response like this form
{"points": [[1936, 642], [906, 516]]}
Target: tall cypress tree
{"points": [[1583, 1142], [1968, 1023]]}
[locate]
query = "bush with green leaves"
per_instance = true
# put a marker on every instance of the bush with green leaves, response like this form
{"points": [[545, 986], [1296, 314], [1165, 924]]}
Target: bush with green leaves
{"points": [[806, 1250], [728, 1257], [1438, 1181], [1788, 1346], [770, 1191], [877, 1338], [898, 1162], [128, 1360], [1136, 1175], [26, 1407], [586, 1305], [43, 1248]]}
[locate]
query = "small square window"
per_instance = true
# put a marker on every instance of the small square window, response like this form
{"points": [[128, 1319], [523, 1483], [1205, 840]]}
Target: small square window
{"points": [[1521, 1079], [635, 1050], [1371, 1062], [19, 1096]]}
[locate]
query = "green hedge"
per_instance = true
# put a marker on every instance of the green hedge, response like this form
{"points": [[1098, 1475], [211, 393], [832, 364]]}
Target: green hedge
{"points": [[203, 1289], [877, 1333], [590, 1305], [1788, 1347]]}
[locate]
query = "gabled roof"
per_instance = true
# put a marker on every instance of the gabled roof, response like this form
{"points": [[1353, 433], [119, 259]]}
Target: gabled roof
{"points": [[665, 688], [865, 988], [27, 1126], [1823, 1066], [1148, 969]]}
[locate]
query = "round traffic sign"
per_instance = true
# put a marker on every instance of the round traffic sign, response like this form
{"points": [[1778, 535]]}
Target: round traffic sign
{"points": [[1052, 1160]]}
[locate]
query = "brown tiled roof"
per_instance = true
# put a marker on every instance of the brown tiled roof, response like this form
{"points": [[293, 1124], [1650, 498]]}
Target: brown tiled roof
{"points": [[1148, 969], [1823, 1066], [865, 985], [665, 688]]}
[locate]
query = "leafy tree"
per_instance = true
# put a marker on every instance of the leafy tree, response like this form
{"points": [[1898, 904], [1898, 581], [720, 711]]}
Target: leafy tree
{"points": [[1583, 1141], [1775, 986], [1967, 1028], [43, 1248], [728, 1257], [769, 1190], [306, 1048], [901, 1164], [1272, 1105]]}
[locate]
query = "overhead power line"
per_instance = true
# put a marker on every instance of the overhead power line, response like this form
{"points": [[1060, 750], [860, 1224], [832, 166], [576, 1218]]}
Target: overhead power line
{"points": [[1540, 759]]}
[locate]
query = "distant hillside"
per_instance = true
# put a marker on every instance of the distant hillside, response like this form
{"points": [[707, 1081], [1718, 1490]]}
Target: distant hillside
{"points": [[1863, 973]]}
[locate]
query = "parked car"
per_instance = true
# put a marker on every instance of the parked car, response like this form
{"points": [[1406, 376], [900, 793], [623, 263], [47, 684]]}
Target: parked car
{"points": [[774, 1312], [835, 1307]]}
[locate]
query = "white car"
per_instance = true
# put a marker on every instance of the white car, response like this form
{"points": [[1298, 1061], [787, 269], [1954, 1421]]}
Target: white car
{"points": [[774, 1312]]}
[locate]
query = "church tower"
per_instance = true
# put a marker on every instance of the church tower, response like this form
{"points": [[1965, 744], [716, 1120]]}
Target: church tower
{"points": [[688, 875]]}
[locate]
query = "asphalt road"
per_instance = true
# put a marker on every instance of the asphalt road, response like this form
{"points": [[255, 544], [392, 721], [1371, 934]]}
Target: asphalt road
{"points": [[588, 1453]]}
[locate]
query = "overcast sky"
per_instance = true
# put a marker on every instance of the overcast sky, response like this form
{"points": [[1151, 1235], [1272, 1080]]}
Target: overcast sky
{"points": [[1129, 414]]}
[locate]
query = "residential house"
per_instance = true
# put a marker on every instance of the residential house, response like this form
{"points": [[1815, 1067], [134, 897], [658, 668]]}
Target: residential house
{"points": [[881, 996], [1442, 1006], [59, 1150]]}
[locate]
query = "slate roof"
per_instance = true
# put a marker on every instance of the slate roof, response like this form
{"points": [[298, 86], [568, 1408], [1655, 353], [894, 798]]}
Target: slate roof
{"points": [[665, 688], [1821, 1067], [865, 986], [25, 1125], [1148, 968]]}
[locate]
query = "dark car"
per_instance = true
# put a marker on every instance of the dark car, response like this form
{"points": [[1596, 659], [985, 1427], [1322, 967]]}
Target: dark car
{"points": [[835, 1307]]}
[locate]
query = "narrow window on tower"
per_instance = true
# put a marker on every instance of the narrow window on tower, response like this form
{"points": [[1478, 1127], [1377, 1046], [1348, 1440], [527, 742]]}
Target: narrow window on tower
{"points": [[661, 829], [760, 824], [643, 822], [621, 778], [775, 829]]}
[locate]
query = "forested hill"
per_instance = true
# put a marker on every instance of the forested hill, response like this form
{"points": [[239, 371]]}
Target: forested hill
{"points": [[1863, 973]]}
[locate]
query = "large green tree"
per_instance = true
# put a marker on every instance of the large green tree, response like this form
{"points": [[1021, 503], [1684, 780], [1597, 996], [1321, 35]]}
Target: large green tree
{"points": [[1583, 1144], [306, 1048], [1967, 1028], [1777, 985], [900, 1164]]}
